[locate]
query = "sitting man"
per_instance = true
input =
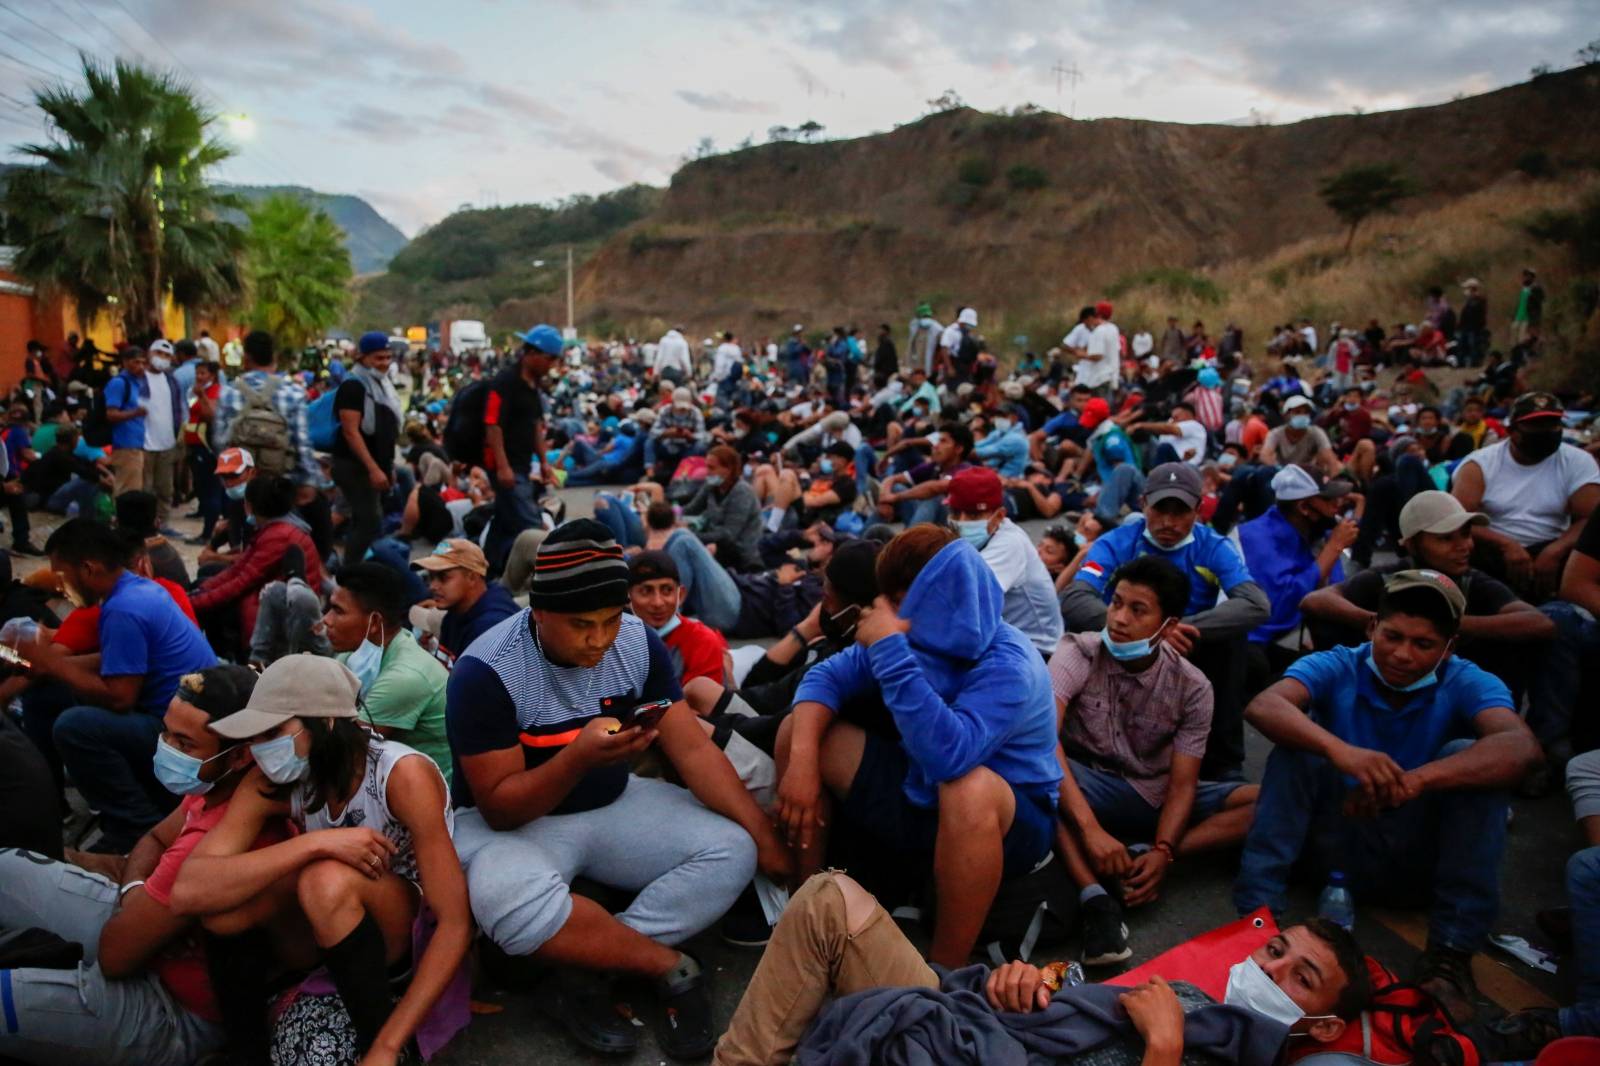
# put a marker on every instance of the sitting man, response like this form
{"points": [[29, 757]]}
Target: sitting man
{"points": [[1210, 634], [1394, 764], [402, 686], [1556, 693], [917, 495], [542, 770], [1133, 716], [146, 645], [835, 942], [655, 595], [973, 781], [457, 575], [977, 510], [142, 994], [1499, 631]]}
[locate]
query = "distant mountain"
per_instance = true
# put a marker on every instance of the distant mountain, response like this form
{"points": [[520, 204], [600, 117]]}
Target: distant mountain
{"points": [[372, 239]]}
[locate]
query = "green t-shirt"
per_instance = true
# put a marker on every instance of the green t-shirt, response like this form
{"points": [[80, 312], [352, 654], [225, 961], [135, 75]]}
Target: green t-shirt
{"points": [[1522, 306], [408, 698], [44, 438]]}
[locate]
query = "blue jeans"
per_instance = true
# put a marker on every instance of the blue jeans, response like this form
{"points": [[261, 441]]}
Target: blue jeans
{"points": [[618, 516], [1553, 691], [110, 757], [515, 509], [76, 490], [866, 465], [712, 597], [916, 512], [1442, 849], [1583, 894], [1128, 816], [1124, 486]]}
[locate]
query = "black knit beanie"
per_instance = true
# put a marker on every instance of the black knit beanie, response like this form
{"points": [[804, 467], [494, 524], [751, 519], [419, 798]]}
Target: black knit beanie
{"points": [[578, 568]]}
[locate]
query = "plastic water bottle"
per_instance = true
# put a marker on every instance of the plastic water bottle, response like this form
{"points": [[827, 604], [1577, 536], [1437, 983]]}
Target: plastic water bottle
{"points": [[1335, 904]]}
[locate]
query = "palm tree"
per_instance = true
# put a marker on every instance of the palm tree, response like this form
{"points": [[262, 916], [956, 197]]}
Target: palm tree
{"points": [[118, 210], [298, 267]]}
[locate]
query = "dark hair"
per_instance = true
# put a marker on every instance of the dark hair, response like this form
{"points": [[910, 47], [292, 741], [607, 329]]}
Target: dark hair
{"points": [[660, 515], [258, 347], [1352, 960], [67, 436], [1160, 576], [137, 510], [903, 558], [83, 540], [1082, 390], [1086, 313], [852, 571], [1062, 536], [727, 334], [185, 348], [338, 752], [1425, 408], [1420, 603], [379, 588], [1185, 404], [270, 497], [960, 434]]}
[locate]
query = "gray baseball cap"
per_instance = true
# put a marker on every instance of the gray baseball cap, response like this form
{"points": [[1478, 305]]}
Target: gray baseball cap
{"points": [[296, 686], [1436, 512], [1174, 481]]}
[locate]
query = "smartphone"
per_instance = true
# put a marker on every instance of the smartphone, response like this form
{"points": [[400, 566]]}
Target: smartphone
{"points": [[10, 657], [646, 715]]}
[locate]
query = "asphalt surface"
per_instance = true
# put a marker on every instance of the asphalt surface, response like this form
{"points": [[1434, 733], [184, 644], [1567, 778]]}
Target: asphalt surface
{"points": [[1197, 897]]}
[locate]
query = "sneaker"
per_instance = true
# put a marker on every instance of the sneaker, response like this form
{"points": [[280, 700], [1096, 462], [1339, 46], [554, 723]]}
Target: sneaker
{"points": [[745, 925], [1521, 1035], [683, 1022], [1105, 936], [1445, 973], [170, 533], [581, 1002], [27, 547]]}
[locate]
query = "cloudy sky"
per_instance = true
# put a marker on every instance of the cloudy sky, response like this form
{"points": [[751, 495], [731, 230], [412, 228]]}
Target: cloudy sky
{"points": [[421, 107]]}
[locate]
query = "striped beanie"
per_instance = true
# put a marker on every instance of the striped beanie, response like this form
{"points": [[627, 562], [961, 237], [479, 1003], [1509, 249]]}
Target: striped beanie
{"points": [[578, 568]]}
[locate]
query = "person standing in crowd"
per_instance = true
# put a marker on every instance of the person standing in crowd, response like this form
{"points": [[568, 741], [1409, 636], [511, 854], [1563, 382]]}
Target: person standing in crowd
{"points": [[199, 435], [513, 419], [368, 410], [727, 370], [1529, 311], [885, 357], [456, 573], [1472, 326], [164, 418], [264, 412], [125, 410], [674, 362]]}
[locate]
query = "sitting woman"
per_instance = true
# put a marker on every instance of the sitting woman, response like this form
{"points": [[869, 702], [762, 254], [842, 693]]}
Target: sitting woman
{"points": [[349, 890]]}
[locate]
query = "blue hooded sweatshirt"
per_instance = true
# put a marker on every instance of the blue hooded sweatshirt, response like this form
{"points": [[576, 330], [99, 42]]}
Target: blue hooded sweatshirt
{"points": [[965, 688]]}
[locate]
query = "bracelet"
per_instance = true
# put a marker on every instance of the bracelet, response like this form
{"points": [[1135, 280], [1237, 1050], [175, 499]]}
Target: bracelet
{"points": [[129, 887], [794, 631], [1162, 845]]}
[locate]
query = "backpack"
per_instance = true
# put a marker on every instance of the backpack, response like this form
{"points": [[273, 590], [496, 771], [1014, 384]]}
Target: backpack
{"points": [[322, 421], [261, 430], [1401, 1025], [464, 430], [96, 425]]}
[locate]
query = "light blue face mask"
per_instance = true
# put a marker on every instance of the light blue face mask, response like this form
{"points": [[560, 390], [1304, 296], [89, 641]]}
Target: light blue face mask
{"points": [[673, 623], [975, 532], [825, 466], [1429, 678], [713, 480], [279, 761], [1000, 425], [1156, 544], [1079, 539], [236, 492], [1129, 650], [1300, 422], [179, 773]]}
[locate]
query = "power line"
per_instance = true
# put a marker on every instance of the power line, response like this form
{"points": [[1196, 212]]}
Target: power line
{"points": [[36, 50], [38, 25], [121, 40], [13, 99], [30, 66]]}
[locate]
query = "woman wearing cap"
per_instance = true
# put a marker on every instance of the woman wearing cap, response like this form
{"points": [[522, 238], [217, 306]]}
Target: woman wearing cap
{"points": [[347, 892]]}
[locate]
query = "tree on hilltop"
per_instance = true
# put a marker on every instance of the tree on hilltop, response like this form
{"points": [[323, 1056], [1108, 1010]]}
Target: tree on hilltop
{"points": [[1364, 190]]}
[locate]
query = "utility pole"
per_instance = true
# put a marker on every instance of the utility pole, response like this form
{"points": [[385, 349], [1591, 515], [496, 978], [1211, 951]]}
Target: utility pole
{"points": [[570, 323], [1072, 74]]}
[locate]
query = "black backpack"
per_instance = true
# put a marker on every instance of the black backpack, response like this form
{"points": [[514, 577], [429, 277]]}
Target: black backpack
{"points": [[464, 430], [96, 426]]}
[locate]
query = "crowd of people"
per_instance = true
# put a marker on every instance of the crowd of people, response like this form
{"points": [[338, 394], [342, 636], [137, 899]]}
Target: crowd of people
{"points": [[405, 715]]}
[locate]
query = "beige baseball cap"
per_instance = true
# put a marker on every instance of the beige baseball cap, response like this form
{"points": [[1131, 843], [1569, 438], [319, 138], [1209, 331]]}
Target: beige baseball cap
{"points": [[1404, 580], [296, 686], [1436, 512], [452, 554]]}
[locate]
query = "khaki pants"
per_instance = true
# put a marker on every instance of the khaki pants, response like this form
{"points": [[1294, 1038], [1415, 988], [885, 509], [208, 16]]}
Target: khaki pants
{"points": [[821, 948], [161, 479], [127, 470]]}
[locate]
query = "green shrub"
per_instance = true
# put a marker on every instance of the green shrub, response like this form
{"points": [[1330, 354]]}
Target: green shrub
{"points": [[1536, 163], [975, 171], [1174, 281], [1025, 178]]}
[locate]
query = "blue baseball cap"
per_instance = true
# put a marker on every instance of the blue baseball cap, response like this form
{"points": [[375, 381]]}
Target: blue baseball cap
{"points": [[546, 339], [373, 341]]}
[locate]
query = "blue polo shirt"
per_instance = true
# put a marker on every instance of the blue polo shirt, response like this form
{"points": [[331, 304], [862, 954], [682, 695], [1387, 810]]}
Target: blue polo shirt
{"points": [[1210, 559], [143, 631], [1285, 567], [124, 393], [1348, 700]]}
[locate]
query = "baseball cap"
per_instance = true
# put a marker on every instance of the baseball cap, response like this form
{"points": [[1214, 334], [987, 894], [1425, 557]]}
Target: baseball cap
{"points": [[452, 554], [160, 347], [1433, 581], [546, 339], [1173, 481], [235, 461], [975, 489], [968, 317], [682, 398], [1299, 483], [1103, 309], [1294, 402], [1536, 405], [924, 310], [1095, 412], [373, 341], [1436, 512], [296, 686], [651, 566]]}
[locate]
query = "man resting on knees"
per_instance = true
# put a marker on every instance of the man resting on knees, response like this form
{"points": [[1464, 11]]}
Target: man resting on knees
{"points": [[973, 781]]}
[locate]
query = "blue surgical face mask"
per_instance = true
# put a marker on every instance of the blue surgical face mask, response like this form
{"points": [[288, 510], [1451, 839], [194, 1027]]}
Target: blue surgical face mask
{"points": [[366, 662], [1156, 544], [673, 623], [1127, 651], [1227, 459], [179, 773], [1300, 421], [1429, 678], [279, 761], [1349, 406], [974, 531], [1000, 425], [236, 492], [713, 480], [1079, 539], [825, 466]]}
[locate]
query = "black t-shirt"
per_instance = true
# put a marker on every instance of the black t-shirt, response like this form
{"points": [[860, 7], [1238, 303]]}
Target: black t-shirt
{"points": [[1485, 595], [352, 396], [516, 407]]}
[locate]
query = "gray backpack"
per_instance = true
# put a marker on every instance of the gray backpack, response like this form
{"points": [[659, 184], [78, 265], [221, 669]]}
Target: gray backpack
{"points": [[261, 430]]}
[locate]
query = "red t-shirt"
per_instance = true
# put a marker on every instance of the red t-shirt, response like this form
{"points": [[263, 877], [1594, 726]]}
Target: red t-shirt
{"points": [[697, 650], [182, 965], [80, 630], [192, 430]]}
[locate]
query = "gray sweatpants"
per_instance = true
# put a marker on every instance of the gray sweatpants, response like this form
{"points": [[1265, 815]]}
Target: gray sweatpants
{"points": [[686, 863], [80, 1015], [287, 622]]}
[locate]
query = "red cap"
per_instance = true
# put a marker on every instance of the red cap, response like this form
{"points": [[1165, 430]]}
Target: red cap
{"points": [[1095, 412], [1103, 308], [975, 490]]}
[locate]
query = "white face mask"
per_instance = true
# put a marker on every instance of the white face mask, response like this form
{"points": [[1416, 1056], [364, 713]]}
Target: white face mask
{"points": [[160, 363], [1251, 988]]}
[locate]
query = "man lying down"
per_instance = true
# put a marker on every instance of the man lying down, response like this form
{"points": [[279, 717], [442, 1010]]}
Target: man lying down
{"points": [[835, 941]]}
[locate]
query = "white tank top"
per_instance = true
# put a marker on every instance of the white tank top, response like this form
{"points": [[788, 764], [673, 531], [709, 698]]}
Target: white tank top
{"points": [[1529, 503], [370, 804]]}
